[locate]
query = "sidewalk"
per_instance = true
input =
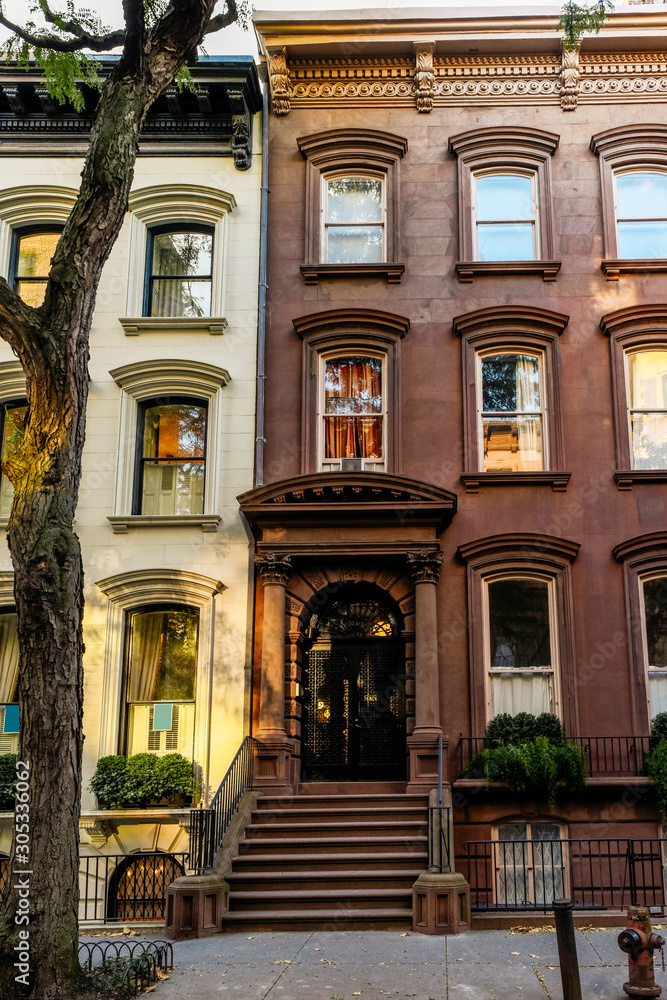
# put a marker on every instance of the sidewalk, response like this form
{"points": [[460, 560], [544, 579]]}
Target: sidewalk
{"points": [[374, 965]]}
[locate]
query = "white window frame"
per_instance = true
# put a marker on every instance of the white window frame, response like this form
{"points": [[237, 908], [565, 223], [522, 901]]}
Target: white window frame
{"points": [[147, 380], [324, 208], [636, 169], [366, 464], [658, 574], [535, 220], [530, 866], [128, 591], [630, 409], [490, 352], [176, 205], [554, 671]]}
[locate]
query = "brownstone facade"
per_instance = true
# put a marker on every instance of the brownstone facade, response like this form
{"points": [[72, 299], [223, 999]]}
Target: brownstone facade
{"points": [[422, 108]]}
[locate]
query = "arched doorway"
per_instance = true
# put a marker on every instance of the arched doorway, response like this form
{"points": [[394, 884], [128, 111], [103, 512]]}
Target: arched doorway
{"points": [[353, 726], [138, 886]]}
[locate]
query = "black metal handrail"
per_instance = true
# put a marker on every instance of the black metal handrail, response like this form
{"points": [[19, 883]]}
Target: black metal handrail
{"points": [[438, 838], [604, 756], [208, 826], [607, 873]]}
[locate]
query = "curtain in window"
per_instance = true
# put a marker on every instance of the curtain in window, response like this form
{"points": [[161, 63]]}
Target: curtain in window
{"points": [[145, 656], [522, 693], [353, 408], [528, 398], [9, 656]]}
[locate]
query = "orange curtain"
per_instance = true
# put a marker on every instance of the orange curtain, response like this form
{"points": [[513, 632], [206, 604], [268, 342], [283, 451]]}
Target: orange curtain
{"points": [[353, 408]]}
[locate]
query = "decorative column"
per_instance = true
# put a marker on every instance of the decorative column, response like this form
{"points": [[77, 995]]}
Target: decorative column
{"points": [[274, 752], [424, 567]]}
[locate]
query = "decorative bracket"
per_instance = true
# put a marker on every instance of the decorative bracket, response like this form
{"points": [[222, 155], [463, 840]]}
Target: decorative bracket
{"points": [[424, 76], [279, 80], [241, 128], [99, 830], [569, 79]]}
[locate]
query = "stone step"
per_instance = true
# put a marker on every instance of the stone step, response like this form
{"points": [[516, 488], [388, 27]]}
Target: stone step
{"points": [[359, 814], [331, 845], [298, 901], [342, 881], [352, 862], [405, 829], [371, 918], [340, 802]]}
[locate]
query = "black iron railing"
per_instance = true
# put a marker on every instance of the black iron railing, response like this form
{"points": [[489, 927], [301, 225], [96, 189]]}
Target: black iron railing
{"points": [[604, 756], [138, 963], [209, 826], [438, 838], [126, 887], [595, 874]]}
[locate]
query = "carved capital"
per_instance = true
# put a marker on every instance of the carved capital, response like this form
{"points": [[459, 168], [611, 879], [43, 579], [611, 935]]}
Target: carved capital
{"points": [[279, 81], [424, 76], [425, 566], [274, 568], [569, 79]]}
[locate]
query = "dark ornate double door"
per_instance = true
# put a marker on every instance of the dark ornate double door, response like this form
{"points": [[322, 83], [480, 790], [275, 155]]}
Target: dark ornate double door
{"points": [[354, 711]]}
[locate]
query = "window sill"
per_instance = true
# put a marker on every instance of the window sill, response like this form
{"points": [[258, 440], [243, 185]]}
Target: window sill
{"points": [[627, 478], [313, 273], [173, 324], [613, 268], [473, 481], [121, 524], [467, 270]]}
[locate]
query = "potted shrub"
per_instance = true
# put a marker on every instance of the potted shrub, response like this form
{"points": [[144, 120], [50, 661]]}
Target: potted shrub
{"points": [[144, 780], [7, 780], [655, 762], [531, 755]]}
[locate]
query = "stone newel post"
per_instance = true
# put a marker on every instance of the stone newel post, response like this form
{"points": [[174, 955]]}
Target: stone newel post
{"points": [[423, 742], [273, 754]]}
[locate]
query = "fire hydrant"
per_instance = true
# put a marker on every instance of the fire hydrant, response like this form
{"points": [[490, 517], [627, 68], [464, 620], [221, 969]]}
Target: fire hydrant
{"points": [[639, 943]]}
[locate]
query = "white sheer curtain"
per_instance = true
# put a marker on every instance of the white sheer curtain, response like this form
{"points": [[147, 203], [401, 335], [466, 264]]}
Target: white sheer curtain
{"points": [[657, 691], [522, 692], [528, 399], [9, 656], [147, 640]]}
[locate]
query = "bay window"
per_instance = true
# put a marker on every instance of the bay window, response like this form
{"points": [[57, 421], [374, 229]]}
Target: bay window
{"points": [[511, 412], [521, 657], [171, 462], [161, 680]]}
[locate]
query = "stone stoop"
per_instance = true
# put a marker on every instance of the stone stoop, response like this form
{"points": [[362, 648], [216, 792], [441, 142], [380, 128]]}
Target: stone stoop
{"points": [[345, 862]]}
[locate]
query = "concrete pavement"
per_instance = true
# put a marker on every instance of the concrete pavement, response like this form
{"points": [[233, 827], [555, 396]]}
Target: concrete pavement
{"points": [[377, 965]]}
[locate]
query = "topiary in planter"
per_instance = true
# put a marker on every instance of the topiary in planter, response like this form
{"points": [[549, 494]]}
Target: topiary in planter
{"points": [[144, 779], [7, 780], [531, 756]]}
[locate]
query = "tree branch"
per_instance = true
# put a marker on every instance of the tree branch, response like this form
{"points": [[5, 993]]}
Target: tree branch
{"points": [[20, 326], [135, 40], [98, 43], [223, 20]]}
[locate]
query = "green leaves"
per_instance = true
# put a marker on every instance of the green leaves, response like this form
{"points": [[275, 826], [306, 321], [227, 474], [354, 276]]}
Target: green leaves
{"points": [[127, 782], [7, 780], [576, 20]]}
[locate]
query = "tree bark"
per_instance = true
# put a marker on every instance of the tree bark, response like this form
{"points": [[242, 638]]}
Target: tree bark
{"points": [[52, 345]]}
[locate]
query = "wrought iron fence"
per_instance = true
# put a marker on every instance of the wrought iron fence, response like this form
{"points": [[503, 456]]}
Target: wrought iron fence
{"points": [[126, 887], [595, 874], [209, 826], [137, 963], [4, 876], [438, 837], [604, 756]]}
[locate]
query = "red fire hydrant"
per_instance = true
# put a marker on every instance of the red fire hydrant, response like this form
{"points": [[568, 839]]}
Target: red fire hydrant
{"points": [[639, 943]]}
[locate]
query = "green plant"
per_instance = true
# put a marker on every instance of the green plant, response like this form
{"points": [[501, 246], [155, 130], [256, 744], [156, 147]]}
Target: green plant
{"points": [[655, 765], [7, 780], [658, 729], [531, 756], [576, 20], [124, 782]]}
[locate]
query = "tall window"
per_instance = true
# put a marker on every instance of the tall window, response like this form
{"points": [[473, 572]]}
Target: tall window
{"points": [[13, 414], [655, 617], [529, 864], [9, 674], [641, 213], [171, 461], [520, 647], [354, 220], [505, 216], [179, 271], [511, 413], [647, 398], [32, 252], [353, 414], [161, 674]]}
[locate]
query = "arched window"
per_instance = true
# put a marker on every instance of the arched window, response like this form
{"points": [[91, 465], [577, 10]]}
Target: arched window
{"points": [[512, 412], [354, 215], [353, 413], [505, 216], [161, 672], [647, 407], [641, 213]]}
